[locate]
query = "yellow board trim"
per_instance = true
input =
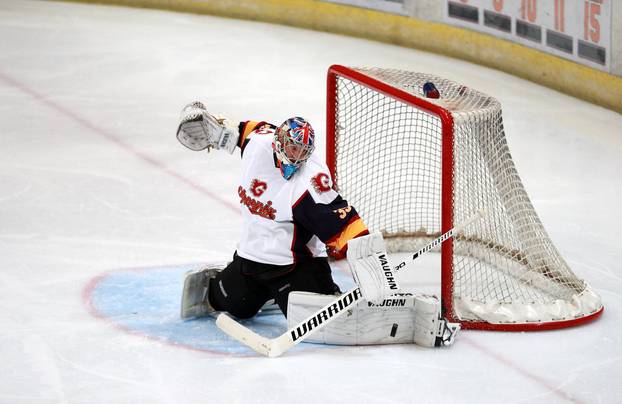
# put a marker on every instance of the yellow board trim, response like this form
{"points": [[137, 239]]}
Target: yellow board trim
{"points": [[583, 82]]}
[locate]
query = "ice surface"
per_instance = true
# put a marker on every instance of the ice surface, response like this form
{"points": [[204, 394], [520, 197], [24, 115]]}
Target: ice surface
{"points": [[93, 182]]}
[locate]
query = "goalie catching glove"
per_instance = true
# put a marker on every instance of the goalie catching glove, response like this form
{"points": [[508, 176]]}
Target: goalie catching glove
{"points": [[369, 263], [199, 130]]}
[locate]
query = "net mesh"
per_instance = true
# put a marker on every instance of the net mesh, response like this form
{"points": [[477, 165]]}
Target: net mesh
{"points": [[504, 268]]}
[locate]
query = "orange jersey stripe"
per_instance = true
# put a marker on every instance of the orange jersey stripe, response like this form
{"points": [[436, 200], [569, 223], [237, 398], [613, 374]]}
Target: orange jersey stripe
{"points": [[354, 229], [248, 128]]}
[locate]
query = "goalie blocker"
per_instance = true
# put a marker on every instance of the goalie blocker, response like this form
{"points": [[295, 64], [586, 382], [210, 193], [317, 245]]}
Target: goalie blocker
{"points": [[399, 319], [369, 263]]}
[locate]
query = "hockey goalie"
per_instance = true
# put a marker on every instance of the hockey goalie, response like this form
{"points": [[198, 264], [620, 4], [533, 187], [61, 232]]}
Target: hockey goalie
{"points": [[292, 220]]}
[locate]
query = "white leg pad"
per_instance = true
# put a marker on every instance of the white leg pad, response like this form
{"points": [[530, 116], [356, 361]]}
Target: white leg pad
{"points": [[194, 297], [389, 322], [430, 329]]}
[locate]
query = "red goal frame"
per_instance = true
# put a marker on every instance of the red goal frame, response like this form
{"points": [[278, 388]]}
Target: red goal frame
{"points": [[447, 163]]}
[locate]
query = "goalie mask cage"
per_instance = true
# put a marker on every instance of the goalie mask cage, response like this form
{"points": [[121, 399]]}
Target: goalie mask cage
{"points": [[414, 167]]}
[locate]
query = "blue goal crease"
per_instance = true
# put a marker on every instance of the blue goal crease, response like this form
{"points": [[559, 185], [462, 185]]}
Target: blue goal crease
{"points": [[147, 301]]}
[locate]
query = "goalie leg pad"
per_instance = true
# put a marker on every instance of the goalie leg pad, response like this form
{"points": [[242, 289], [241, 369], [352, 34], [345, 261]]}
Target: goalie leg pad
{"points": [[389, 322], [430, 329], [195, 295]]}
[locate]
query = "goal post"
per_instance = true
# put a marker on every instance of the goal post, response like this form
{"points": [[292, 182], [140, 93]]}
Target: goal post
{"points": [[414, 166]]}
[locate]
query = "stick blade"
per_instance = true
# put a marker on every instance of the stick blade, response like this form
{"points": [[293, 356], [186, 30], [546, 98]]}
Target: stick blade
{"points": [[244, 335]]}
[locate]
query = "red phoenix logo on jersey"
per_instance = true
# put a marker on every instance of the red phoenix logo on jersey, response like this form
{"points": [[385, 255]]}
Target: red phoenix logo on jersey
{"points": [[321, 183], [258, 187]]}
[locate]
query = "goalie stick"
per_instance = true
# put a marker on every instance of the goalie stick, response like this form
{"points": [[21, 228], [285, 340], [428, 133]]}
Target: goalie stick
{"points": [[277, 346]]}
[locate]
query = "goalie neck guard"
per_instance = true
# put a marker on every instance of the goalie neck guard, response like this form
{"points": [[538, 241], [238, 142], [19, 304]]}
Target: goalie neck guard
{"points": [[294, 142]]}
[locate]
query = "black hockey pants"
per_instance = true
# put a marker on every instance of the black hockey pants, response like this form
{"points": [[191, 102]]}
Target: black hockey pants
{"points": [[243, 287]]}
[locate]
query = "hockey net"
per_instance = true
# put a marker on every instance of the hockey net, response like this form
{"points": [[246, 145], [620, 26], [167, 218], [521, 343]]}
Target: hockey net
{"points": [[414, 167]]}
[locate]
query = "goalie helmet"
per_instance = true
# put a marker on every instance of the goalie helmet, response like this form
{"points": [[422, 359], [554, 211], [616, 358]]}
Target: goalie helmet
{"points": [[294, 142]]}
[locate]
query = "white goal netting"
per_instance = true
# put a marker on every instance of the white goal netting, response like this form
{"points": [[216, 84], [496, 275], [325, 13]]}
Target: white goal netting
{"points": [[392, 163]]}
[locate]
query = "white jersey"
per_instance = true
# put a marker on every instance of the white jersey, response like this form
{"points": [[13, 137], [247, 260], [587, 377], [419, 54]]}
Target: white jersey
{"points": [[283, 220]]}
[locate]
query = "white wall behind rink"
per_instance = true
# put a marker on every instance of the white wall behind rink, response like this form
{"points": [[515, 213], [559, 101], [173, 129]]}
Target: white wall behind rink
{"points": [[588, 32]]}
